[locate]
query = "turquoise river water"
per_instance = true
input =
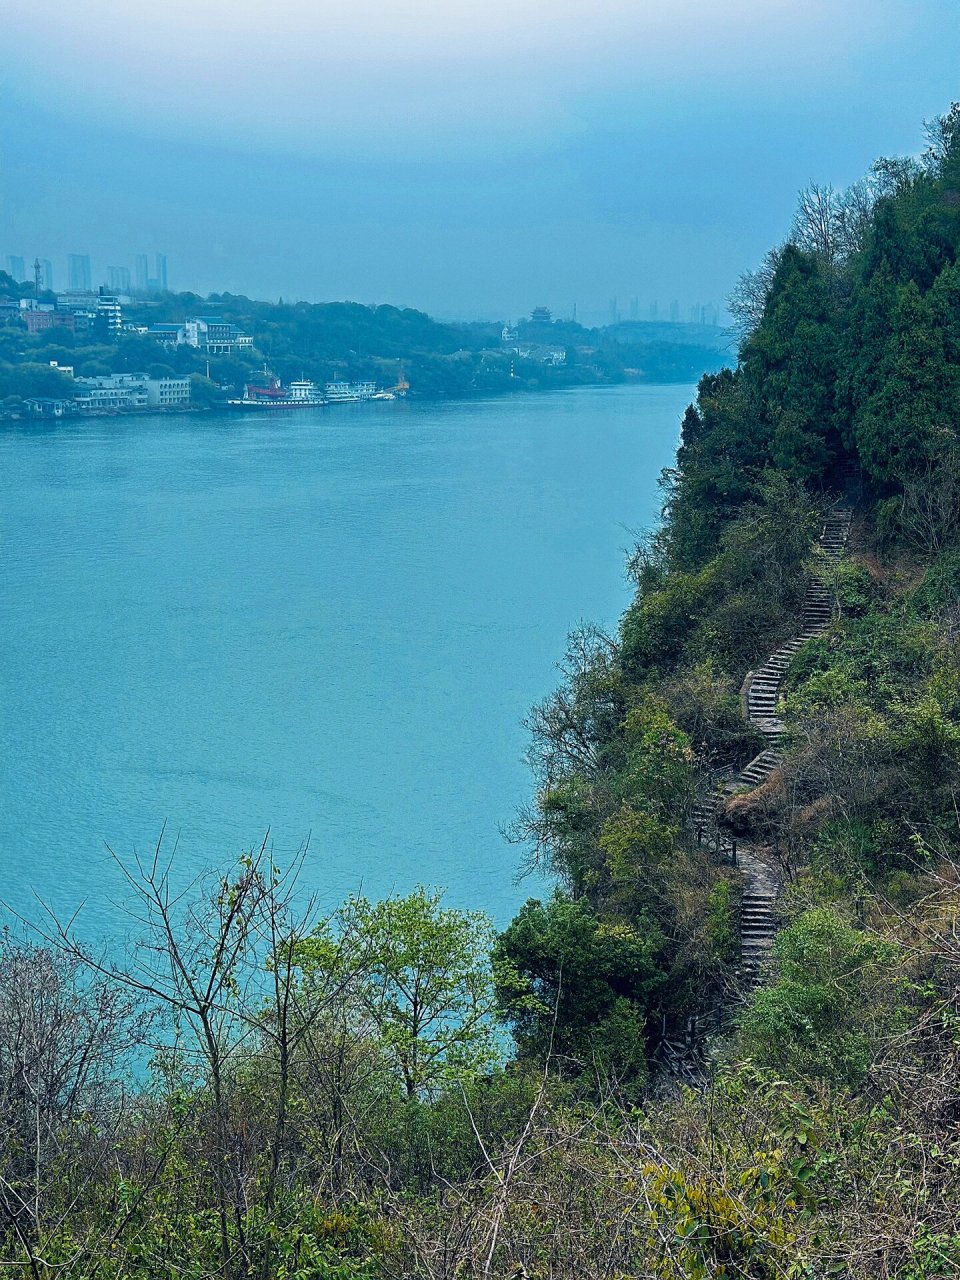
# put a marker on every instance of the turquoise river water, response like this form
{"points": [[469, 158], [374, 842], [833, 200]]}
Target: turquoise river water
{"points": [[328, 624]]}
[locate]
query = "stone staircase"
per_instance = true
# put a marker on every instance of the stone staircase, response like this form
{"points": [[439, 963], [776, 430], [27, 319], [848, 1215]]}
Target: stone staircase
{"points": [[761, 880]]}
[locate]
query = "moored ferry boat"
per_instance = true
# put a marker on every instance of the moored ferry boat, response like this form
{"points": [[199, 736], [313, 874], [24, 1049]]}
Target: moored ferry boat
{"points": [[340, 392], [272, 394]]}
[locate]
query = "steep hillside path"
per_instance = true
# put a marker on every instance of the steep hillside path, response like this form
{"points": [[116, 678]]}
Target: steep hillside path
{"points": [[761, 879]]}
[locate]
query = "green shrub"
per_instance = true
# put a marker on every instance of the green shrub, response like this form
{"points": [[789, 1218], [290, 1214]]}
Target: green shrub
{"points": [[836, 994]]}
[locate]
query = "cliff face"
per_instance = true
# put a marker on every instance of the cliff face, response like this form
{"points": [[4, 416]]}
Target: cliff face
{"points": [[811, 695]]}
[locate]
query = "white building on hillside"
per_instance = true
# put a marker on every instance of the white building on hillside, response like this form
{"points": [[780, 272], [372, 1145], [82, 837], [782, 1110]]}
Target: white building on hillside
{"points": [[214, 336]]}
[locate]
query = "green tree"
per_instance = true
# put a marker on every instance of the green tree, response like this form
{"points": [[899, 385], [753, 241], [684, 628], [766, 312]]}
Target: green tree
{"points": [[418, 975], [571, 982]]}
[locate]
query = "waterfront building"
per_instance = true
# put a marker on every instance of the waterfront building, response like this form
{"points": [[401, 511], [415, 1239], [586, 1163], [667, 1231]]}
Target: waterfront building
{"points": [[49, 406], [15, 267], [78, 270], [112, 391], [168, 393], [132, 391]]}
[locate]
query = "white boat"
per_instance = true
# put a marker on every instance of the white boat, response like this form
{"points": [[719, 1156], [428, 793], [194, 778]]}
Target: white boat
{"points": [[340, 392], [302, 394]]}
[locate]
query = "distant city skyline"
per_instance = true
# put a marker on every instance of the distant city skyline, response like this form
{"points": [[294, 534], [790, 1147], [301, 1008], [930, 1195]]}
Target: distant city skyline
{"points": [[82, 274], [146, 278]]}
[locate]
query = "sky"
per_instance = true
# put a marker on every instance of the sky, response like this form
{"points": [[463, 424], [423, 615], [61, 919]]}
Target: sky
{"points": [[471, 159]]}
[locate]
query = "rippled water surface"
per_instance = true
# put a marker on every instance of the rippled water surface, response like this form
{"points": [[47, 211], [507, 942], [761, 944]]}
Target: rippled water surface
{"points": [[328, 625]]}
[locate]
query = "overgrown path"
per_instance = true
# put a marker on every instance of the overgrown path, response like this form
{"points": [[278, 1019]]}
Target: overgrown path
{"points": [[762, 881]]}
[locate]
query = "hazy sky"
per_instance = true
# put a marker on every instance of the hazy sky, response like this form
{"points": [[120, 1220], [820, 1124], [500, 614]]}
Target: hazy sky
{"points": [[468, 158]]}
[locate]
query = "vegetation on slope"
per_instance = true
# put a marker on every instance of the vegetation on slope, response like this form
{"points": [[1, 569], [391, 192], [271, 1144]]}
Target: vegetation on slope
{"points": [[330, 1101]]}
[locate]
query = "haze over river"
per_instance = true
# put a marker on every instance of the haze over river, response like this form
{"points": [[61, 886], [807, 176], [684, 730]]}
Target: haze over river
{"points": [[328, 623]]}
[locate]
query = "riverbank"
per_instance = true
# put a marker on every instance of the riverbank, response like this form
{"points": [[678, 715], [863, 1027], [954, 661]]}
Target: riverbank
{"points": [[413, 396]]}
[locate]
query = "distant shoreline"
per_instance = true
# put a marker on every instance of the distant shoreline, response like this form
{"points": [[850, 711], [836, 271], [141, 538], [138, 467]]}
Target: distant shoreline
{"points": [[421, 398]]}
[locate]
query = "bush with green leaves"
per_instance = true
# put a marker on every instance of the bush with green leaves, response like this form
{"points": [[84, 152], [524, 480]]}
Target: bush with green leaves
{"points": [[579, 988], [837, 991]]}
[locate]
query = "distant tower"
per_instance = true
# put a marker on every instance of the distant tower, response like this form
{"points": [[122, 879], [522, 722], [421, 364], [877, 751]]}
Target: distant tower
{"points": [[634, 308], [142, 272], [613, 314], [574, 313], [161, 272], [15, 267], [78, 265], [47, 273], [119, 279], [674, 312], [654, 308], [37, 277]]}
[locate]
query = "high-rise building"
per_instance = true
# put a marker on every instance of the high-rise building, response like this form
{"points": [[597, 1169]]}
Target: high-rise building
{"points": [[46, 273], [654, 308], [161, 273], [109, 313], [15, 267], [78, 267], [674, 312], [119, 279], [142, 272], [634, 308]]}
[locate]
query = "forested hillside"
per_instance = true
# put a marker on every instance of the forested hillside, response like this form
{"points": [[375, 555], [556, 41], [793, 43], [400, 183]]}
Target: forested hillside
{"points": [[336, 1098], [331, 340]]}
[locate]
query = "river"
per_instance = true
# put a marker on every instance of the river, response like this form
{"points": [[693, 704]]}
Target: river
{"points": [[328, 624]]}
